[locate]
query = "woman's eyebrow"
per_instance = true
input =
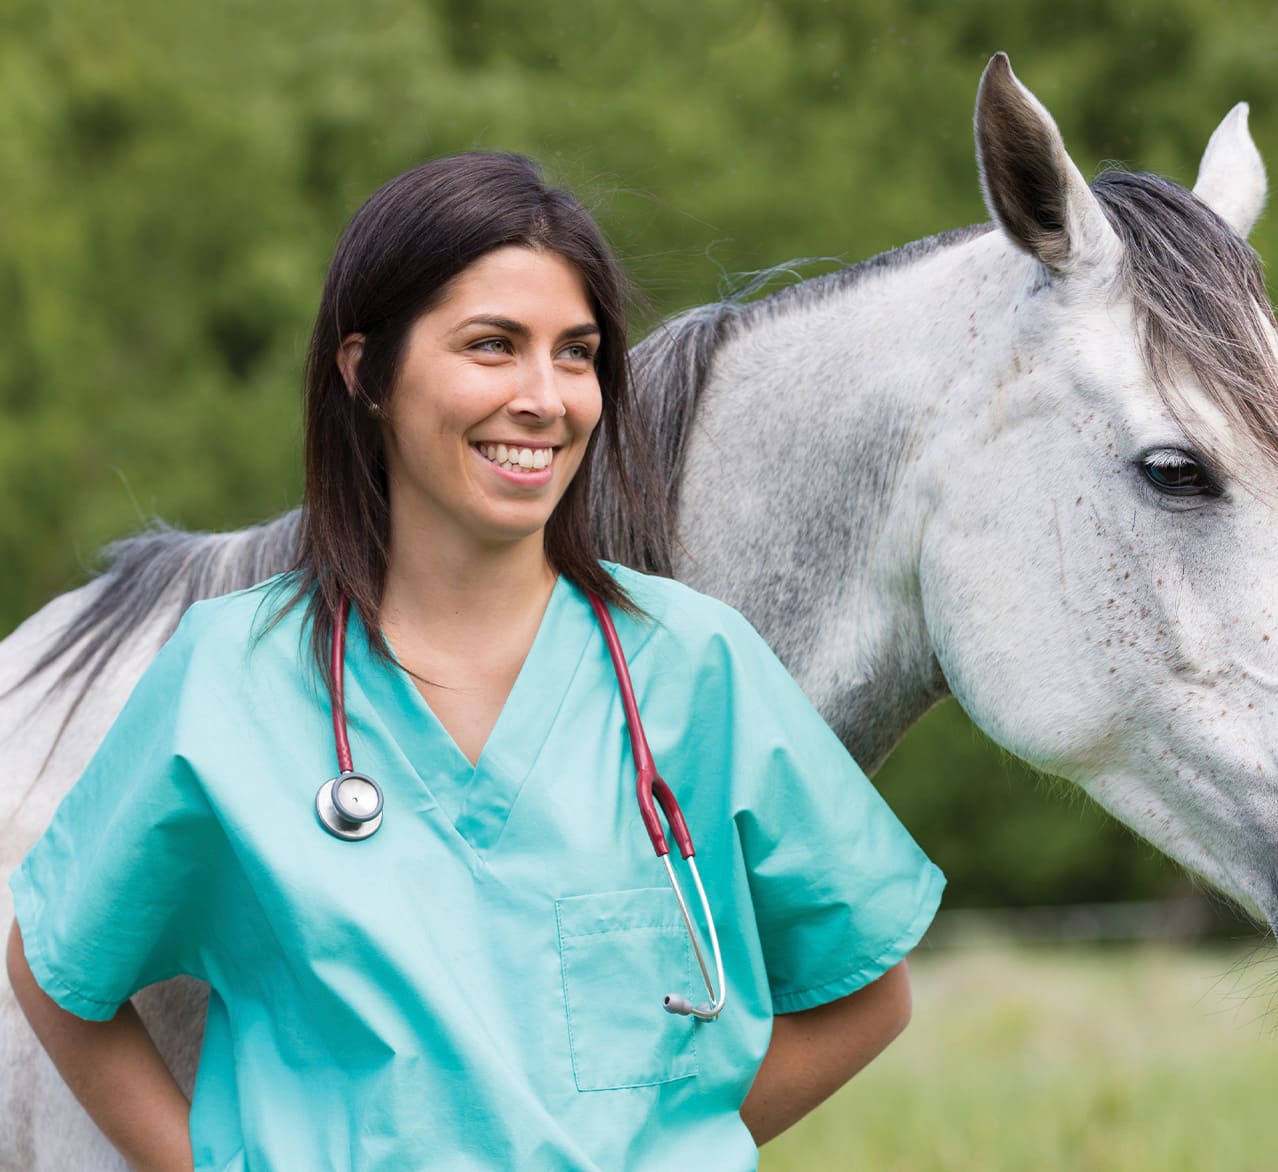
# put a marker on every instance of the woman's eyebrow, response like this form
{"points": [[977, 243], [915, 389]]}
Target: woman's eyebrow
{"points": [[510, 326]]}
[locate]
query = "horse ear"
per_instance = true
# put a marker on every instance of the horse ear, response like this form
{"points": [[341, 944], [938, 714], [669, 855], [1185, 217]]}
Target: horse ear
{"points": [[1032, 187], [1231, 177]]}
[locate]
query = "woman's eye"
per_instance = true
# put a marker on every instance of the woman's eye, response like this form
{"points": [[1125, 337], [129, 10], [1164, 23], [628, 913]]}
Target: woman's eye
{"points": [[493, 345], [578, 352], [1177, 473]]}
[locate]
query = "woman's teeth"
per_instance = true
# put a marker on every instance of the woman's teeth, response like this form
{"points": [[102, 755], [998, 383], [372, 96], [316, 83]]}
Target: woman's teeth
{"points": [[518, 459]]}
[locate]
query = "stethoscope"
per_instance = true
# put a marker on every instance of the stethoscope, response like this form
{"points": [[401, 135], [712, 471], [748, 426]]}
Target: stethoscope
{"points": [[349, 805]]}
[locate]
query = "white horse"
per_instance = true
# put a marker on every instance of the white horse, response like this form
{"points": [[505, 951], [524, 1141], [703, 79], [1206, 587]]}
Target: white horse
{"points": [[1027, 464]]}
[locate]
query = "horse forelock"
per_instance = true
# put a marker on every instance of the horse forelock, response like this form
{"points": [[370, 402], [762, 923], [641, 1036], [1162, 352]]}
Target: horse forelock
{"points": [[1199, 297]]}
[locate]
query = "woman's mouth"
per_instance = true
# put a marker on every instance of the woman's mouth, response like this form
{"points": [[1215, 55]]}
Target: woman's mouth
{"points": [[516, 459]]}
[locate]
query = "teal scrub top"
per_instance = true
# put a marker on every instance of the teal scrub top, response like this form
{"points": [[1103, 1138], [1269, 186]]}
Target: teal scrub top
{"points": [[480, 983]]}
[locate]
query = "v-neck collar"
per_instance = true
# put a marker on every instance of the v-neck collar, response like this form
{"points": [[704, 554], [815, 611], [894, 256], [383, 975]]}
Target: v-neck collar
{"points": [[478, 798]]}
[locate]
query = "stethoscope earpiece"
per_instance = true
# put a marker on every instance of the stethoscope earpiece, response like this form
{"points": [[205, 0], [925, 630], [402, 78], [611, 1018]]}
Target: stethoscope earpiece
{"points": [[349, 806]]}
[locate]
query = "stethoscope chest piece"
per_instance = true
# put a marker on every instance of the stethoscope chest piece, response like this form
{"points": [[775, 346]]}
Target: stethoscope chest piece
{"points": [[349, 806]]}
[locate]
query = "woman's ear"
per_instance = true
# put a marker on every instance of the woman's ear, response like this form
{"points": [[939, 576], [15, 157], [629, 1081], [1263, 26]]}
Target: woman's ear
{"points": [[349, 354]]}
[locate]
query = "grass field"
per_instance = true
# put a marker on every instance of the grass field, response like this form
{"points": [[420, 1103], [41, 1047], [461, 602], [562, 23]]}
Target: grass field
{"points": [[1113, 1059]]}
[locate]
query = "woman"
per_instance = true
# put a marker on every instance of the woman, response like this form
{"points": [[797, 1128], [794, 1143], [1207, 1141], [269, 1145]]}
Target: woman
{"points": [[480, 982]]}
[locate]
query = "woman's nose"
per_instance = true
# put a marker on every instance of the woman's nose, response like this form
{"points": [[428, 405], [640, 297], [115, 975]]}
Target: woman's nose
{"points": [[538, 393]]}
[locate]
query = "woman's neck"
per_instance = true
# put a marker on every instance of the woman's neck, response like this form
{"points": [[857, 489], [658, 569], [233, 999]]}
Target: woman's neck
{"points": [[445, 597], [462, 628]]}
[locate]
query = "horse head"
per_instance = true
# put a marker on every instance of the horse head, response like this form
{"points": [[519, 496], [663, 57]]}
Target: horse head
{"points": [[1099, 562]]}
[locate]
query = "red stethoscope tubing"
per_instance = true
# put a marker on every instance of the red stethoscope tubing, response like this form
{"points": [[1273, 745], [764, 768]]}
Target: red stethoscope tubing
{"points": [[337, 663], [649, 784], [650, 789]]}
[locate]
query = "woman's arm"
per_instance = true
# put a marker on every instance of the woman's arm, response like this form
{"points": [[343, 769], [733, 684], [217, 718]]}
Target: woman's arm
{"points": [[814, 1052], [115, 1071]]}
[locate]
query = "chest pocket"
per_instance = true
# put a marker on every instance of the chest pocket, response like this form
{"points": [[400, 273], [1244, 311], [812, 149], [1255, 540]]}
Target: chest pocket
{"points": [[621, 952]]}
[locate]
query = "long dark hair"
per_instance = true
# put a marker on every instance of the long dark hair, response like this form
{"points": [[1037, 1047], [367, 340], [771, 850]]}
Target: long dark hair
{"points": [[396, 261]]}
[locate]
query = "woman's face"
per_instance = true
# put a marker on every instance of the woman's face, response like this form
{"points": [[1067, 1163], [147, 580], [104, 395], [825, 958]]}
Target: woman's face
{"points": [[495, 401]]}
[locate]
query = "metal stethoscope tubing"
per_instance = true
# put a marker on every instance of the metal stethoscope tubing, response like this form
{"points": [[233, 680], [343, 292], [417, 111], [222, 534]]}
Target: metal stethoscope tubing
{"points": [[650, 785], [349, 806]]}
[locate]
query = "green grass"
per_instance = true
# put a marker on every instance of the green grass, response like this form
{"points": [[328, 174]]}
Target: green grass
{"points": [[1089, 1060]]}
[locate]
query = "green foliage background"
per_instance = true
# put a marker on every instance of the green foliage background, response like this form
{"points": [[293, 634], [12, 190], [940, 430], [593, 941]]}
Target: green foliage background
{"points": [[175, 175]]}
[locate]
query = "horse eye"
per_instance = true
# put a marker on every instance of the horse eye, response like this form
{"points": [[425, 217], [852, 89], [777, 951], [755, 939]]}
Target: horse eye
{"points": [[1177, 473]]}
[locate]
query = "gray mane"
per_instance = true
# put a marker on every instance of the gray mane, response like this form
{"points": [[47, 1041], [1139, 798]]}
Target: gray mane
{"points": [[1199, 293], [161, 572], [805, 293], [671, 364]]}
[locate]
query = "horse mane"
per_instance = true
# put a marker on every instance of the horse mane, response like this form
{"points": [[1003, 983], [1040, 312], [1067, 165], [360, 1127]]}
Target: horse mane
{"points": [[667, 370], [1198, 290], [152, 578], [805, 293], [670, 368]]}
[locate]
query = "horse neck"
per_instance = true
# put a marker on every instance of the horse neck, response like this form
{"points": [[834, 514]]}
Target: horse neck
{"points": [[807, 485]]}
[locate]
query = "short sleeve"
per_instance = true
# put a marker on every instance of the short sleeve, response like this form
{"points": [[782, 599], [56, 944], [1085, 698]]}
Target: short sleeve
{"points": [[113, 896], [841, 891]]}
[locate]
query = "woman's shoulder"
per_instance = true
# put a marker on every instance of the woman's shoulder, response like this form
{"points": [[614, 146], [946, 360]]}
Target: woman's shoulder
{"points": [[678, 611], [666, 598]]}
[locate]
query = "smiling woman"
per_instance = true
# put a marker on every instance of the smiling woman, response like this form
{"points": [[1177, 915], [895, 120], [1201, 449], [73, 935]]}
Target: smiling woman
{"points": [[430, 306], [468, 354], [505, 364]]}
